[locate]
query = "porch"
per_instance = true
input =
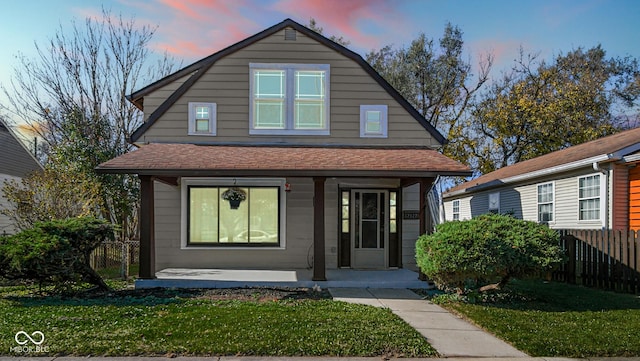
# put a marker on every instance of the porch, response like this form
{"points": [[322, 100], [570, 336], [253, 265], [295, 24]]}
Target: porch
{"points": [[234, 278]]}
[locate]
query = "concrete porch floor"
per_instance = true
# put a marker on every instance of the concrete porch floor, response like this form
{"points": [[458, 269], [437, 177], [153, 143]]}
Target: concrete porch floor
{"points": [[228, 278]]}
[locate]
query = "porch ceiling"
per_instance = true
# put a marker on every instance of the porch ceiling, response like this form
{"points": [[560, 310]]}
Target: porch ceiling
{"points": [[223, 160]]}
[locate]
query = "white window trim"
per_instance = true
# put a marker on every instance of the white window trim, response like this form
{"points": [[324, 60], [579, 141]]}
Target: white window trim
{"points": [[289, 99], [497, 195], [212, 118], [553, 202], [453, 210], [603, 189], [383, 109], [225, 182]]}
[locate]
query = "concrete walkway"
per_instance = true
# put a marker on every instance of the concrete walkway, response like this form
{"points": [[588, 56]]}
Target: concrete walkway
{"points": [[447, 333]]}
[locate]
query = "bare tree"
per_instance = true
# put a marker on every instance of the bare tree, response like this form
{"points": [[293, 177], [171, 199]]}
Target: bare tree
{"points": [[72, 94]]}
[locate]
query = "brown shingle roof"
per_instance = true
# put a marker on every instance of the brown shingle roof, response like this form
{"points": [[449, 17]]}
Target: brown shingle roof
{"points": [[599, 147], [210, 160]]}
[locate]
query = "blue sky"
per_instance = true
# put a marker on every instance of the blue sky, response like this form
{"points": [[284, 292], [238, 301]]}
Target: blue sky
{"points": [[192, 29]]}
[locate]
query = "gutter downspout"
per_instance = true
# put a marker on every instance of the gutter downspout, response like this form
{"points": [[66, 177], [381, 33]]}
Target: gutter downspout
{"points": [[604, 189]]}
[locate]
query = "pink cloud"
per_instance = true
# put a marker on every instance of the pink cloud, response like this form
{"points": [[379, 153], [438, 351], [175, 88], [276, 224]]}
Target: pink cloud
{"points": [[345, 18], [197, 28]]}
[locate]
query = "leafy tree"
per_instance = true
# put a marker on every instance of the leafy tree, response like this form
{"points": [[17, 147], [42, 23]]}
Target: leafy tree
{"points": [[49, 195], [55, 252], [538, 108], [313, 25], [486, 252], [73, 95], [435, 79]]}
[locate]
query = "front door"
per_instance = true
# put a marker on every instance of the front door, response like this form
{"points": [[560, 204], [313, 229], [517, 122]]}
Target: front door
{"points": [[370, 234]]}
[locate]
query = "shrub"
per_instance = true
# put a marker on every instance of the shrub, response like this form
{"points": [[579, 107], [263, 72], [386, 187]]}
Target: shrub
{"points": [[487, 249], [55, 252]]}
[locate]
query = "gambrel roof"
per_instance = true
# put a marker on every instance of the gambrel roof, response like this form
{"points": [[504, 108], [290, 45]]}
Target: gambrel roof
{"points": [[199, 68]]}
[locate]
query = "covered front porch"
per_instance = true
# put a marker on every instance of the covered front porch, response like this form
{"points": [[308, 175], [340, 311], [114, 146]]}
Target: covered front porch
{"points": [[236, 278], [333, 206]]}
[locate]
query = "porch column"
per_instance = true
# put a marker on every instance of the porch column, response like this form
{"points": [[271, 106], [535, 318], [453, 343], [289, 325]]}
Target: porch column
{"points": [[147, 233], [318, 230]]}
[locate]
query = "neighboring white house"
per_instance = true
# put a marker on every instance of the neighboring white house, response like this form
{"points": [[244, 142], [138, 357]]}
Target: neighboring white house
{"points": [[15, 163], [588, 186]]}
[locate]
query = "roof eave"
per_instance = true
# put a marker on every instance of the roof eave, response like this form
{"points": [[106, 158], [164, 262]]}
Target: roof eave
{"points": [[496, 183]]}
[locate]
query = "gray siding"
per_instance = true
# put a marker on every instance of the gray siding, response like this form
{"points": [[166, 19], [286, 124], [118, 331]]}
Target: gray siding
{"points": [[16, 159], [410, 227], [522, 201], [6, 225], [226, 83]]}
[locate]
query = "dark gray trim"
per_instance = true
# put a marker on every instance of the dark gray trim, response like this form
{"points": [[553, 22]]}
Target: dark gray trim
{"points": [[200, 67]]}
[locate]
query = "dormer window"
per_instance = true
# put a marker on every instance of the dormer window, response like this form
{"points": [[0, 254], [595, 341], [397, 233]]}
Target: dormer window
{"points": [[202, 119], [289, 99]]}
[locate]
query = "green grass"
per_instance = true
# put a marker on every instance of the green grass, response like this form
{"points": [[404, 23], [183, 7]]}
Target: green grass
{"points": [[178, 323], [553, 319]]}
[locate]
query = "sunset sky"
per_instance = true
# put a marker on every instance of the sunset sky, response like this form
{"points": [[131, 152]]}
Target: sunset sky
{"points": [[192, 29]]}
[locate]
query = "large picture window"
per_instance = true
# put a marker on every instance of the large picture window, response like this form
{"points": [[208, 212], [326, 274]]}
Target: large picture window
{"points": [[289, 99], [213, 221]]}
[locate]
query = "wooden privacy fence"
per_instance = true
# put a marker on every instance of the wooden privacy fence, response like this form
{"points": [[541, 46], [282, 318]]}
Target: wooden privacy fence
{"points": [[116, 255], [604, 259]]}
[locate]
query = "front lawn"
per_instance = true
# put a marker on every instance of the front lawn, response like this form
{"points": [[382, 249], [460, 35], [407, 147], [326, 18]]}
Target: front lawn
{"points": [[128, 323], [553, 319]]}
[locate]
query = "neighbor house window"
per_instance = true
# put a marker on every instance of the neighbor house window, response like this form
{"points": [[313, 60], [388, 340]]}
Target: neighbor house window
{"points": [[373, 121], [456, 210], [589, 198], [289, 99], [202, 118], [494, 203], [545, 203], [212, 221]]}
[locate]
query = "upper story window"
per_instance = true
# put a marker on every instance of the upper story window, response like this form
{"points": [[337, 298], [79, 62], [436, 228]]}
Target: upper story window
{"points": [[456, 210], [494, 202], [545, 202], [289, 99], [202, 118], [589, 198], [373, 121]]}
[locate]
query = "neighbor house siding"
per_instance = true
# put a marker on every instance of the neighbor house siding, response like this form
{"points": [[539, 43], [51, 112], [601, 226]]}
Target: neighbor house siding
{"points": [[521, 200], [6, 225], [619, 197], [226, 83], [634, 198]]}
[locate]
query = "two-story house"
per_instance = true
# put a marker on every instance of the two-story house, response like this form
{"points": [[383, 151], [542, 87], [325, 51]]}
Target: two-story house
{"points": [[283, 151]]}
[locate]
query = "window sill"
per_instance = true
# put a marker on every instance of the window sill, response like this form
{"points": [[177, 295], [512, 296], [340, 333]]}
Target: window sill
{"points": [[254, 248], [202, 134], [288, 132]]}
